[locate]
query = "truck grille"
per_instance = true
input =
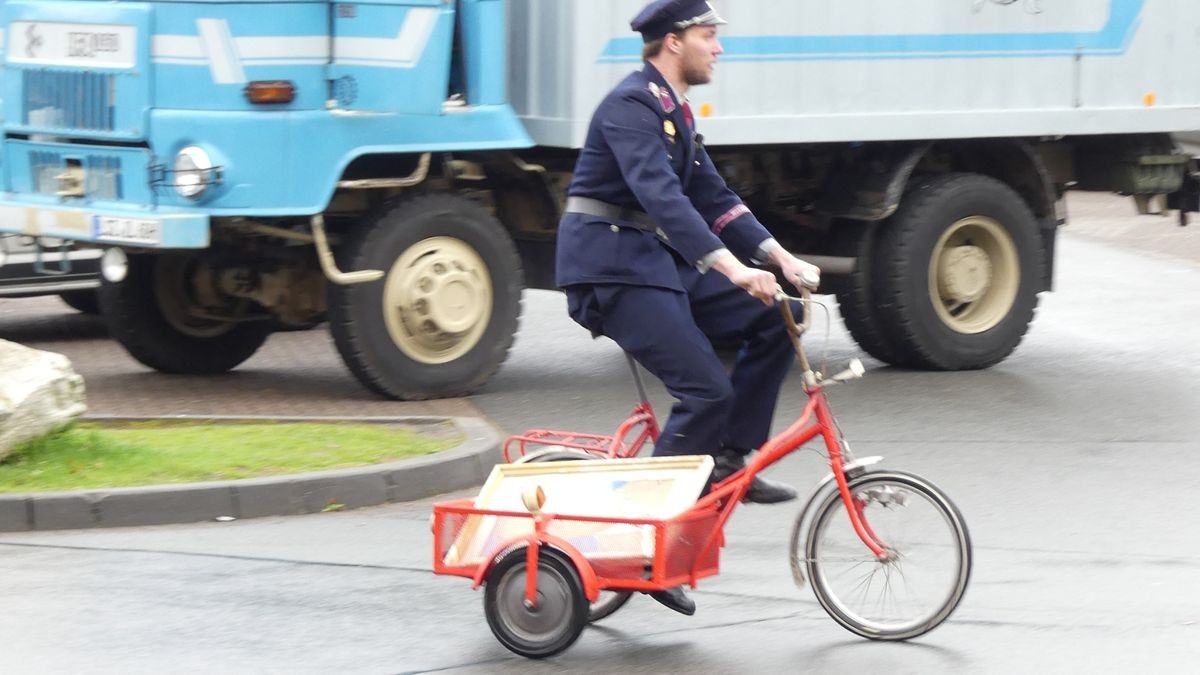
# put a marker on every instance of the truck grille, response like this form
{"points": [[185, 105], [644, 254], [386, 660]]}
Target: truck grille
{"points": [[102, 174], [65, 99]]}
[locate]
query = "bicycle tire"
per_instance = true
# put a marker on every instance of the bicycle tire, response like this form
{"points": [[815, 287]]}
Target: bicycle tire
{"points": [[890, 492], [607, 604]]}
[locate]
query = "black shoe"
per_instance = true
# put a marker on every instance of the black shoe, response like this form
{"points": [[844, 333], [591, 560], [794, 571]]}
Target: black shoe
{"points": [[762, 491], [677, 599]]}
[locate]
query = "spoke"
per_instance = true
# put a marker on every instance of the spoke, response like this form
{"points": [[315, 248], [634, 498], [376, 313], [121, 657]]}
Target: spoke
{"points": [[887, 591], [853, 559], [909, 587], [914, 530], [850, 569], [865, 584]]}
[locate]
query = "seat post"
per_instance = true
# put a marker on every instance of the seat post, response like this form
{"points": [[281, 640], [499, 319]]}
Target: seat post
{"points": [[637, 378]]}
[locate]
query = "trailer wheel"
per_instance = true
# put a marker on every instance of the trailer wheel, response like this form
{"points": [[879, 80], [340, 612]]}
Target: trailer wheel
{"points": [[548, 627], [958, 272], [158, 317], [442, 319], [609, 601]]}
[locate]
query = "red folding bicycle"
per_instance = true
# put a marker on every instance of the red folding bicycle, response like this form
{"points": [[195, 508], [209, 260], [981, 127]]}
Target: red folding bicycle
{"points": [[887, 553]]}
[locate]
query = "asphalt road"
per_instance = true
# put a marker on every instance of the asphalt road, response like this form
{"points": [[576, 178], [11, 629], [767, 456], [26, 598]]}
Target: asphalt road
{"points": [[1073, 463]]}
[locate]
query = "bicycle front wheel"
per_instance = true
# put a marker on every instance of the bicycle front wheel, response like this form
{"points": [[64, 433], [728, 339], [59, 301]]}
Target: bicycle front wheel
{"points": [[924, 575]]}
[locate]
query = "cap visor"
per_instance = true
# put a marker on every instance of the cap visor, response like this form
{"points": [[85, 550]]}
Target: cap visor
{"points": [[710, 18]]}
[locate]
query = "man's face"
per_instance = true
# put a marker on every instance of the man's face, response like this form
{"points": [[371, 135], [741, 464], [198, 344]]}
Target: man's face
{"points": [[699, 51]]}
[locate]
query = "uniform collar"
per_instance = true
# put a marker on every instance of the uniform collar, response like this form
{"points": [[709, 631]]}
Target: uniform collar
{"points": [[657, 77]]}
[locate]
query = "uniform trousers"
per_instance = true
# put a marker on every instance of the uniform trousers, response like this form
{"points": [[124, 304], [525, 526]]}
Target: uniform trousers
{"points": [[669, 333]]}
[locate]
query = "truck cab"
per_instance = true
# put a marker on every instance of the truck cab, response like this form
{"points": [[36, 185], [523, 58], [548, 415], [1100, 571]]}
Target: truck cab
{"points": [[233, 157]]}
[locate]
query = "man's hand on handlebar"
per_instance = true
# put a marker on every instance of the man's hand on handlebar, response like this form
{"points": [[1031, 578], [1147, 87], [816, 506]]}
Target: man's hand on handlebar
{"points": [[796, 271], [759, 283]]}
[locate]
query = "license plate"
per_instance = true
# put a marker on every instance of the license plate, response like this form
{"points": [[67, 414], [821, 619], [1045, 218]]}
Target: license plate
{"points": [[127, 230]]}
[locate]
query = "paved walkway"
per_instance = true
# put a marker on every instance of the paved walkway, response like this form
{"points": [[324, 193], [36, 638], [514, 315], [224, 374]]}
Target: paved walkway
{"points": [[295, 373]]}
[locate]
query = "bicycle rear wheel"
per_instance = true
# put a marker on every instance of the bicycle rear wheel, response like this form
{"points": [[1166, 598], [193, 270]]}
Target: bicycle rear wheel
{"points": [[927, 570], [607, 604]]}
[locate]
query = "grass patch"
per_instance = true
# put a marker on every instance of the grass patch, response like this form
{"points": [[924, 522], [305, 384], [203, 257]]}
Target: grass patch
{"points": [[94, 455]]}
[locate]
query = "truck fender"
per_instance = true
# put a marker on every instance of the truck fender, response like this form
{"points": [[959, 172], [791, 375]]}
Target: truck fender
{"points": [[872, 183], [869, 187]]}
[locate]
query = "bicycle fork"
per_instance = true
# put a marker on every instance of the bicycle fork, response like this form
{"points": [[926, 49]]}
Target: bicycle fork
{"points": [[854, 507]]}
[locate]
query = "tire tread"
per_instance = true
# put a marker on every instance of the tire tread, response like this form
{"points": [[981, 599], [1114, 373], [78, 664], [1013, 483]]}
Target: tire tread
{"points": [[348, 333], [896, 310]]}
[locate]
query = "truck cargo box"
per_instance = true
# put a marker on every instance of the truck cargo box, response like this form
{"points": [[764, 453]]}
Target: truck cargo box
{"points": [[862, 70]]}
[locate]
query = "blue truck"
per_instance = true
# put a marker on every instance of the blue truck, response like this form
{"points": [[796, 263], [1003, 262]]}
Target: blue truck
{"points": [[398, 166]]}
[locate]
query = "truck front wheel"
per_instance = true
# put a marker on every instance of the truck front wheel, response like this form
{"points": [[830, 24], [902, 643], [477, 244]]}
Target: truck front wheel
{"points": [[957, 272], [442, 319], [168, 316], [85, 302]]}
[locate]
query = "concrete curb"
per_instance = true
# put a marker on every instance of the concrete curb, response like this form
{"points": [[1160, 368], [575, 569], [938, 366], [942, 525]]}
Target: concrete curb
{"points": [[463, 466]]}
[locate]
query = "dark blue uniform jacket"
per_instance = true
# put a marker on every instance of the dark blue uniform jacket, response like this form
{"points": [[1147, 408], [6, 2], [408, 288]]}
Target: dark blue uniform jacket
{"points": [[641, 154]]}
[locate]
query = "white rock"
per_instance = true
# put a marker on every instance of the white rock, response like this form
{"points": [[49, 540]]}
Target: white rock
{"points": [[39, 393]]}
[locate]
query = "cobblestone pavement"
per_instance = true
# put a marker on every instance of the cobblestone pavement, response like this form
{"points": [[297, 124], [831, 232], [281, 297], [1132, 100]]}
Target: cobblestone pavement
{"points": [[295, 373], [1113, 219]]}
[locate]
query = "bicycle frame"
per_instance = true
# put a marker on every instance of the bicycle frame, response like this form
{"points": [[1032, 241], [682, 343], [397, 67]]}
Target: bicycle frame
{"points": [[729, 492], [815, 420], [491, 546], [641, 424]]}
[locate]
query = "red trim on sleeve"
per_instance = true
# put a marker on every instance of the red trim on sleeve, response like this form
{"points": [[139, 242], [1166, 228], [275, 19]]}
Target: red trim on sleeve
{"points": [[729, 217]]}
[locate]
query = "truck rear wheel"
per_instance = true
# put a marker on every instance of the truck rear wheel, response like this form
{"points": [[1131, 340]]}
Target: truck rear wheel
{"points": [[957, 272], [442, 319], [860, 240], [158, 317]]}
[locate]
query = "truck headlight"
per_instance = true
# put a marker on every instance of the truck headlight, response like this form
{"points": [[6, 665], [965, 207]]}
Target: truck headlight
{"points": [[194, 172]]}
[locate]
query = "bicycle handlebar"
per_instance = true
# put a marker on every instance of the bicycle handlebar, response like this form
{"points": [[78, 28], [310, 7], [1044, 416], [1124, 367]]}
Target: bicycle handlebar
{"points": [[789, 319], [795, 331]]}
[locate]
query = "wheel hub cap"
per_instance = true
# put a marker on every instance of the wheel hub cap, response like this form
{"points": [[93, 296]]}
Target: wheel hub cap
{"points": [[446, 299], [545, 618], [437, 300], [966, 272], [974, 275]]}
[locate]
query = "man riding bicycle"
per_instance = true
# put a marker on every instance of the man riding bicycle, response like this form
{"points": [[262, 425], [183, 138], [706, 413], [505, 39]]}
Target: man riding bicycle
{"points": [[648, 219]]}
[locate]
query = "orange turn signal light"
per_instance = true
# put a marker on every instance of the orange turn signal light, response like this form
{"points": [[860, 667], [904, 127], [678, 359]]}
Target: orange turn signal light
{"points": [[270, 91]]}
